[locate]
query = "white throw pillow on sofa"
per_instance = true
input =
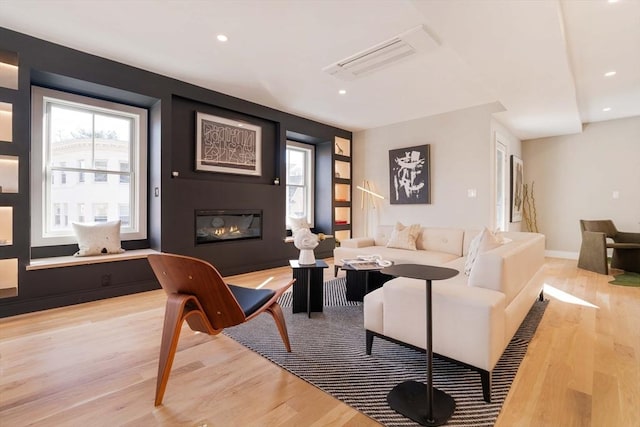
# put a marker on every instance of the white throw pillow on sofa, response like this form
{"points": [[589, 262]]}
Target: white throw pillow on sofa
{"points": [[484, 241], [404, 237], [99, 238]]}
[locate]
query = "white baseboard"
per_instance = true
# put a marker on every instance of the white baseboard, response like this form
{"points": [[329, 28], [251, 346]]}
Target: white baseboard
{"points": [[561, 254]]}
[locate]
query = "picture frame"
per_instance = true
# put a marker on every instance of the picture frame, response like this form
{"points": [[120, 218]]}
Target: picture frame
{"points": [[409, 175], [227, 146], [517, 188]]}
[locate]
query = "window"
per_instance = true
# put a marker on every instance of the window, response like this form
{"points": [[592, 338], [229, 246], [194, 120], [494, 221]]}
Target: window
{"points": [[300, 185], [97, 151]]}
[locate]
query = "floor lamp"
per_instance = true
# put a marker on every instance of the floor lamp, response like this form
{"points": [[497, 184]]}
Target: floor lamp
{"points": [[367, 202]]}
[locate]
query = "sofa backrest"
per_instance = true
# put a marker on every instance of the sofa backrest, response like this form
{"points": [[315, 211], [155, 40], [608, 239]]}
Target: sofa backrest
{"points": [[509, 267], [447, 240]]}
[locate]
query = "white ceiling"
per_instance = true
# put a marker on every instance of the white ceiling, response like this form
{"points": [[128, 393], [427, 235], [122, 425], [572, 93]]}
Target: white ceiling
{"points": [[543, 60]]}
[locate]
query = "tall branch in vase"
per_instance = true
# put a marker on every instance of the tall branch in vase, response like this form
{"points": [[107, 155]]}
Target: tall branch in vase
{"points": [[529, 212]]}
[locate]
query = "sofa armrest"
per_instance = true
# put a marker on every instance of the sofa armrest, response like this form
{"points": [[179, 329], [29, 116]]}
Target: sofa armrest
{"points": [[357, 242]]}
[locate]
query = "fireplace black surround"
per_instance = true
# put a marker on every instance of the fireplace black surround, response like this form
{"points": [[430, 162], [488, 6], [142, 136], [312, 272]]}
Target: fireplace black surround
{"points": [[224, 225]]}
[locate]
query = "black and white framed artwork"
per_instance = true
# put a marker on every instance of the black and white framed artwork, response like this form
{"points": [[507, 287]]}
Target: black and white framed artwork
{"points": [[409, 175]]}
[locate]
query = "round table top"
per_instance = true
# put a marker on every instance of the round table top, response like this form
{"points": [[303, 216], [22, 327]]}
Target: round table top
{"points": [[419, 271]]}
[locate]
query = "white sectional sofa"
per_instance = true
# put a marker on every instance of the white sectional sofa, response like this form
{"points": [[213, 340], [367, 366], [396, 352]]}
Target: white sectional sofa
{"points": [[475, 315]]}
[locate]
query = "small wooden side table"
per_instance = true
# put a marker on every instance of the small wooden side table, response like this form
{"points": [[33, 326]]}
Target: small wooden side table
{"points": [[423, 403], [308, 292]]}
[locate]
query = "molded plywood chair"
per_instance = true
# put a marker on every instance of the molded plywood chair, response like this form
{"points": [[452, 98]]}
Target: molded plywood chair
{"points": [[593, 251], [198, 294]]}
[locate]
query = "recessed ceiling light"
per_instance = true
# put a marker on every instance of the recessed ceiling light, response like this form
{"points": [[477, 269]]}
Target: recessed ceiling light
{"points": [[342, 91], [610, 73], [612, 1], [606, 109], [222, 38]]}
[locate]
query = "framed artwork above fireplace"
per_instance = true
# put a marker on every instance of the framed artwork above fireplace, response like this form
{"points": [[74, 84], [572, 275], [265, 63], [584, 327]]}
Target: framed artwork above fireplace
{"points": [[228, 146]]}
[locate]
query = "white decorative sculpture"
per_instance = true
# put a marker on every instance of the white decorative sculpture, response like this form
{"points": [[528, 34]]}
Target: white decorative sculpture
{"points": [[306, 242]]}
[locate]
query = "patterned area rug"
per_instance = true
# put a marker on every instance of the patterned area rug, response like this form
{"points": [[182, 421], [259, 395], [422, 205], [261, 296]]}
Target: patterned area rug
{"points": [[328, 351]]}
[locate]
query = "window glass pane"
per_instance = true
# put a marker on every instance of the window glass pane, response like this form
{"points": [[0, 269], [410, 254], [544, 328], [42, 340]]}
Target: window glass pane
{"points": [[69, 130], [296, 201], [112, 138], [87, 201], [295, 167], [124, 214]]}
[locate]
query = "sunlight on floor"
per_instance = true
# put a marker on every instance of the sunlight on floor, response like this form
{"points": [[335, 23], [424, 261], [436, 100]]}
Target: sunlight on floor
{"points": [[565, 297], [261, 285]]}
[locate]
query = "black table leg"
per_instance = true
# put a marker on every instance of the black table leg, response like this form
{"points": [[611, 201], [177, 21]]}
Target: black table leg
{"points": [[423, 403], [309, 293]]}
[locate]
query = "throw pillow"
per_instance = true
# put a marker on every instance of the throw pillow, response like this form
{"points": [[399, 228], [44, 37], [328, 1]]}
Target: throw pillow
{"points": [[98, 238], [483, 242], [404, 237]]}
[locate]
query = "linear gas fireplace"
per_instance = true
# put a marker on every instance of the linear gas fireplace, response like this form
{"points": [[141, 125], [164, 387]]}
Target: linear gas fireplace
{"points": [[228, 225]]}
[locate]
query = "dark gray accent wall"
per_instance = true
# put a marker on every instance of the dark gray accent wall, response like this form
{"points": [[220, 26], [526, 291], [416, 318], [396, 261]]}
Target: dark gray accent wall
{"points": [[172, 106]]}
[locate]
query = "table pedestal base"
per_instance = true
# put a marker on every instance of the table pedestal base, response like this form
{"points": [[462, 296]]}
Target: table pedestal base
{"points": [[410, 399]]}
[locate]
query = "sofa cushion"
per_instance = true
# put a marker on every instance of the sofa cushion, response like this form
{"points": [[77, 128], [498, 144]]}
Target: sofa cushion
{"points": [[447, 240], [383, 234], [398, 256], [485, 241], [404, 237]]}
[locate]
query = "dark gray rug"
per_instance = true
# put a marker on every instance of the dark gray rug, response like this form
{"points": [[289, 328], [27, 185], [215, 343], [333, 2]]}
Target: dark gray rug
{"points": [[328, 351]]}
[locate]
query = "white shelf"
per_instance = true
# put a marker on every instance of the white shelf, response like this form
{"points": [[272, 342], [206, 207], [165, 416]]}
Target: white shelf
{"points": [[341, 235], [6, 225], [8, 70], [342, 216], [9, 174], [342, 193], [6, 122], [342, 147], [342, 169], [8, 277]]}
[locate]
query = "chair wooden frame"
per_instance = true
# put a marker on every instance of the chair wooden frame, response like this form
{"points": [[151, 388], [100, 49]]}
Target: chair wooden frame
{"points": [[197, 293]]}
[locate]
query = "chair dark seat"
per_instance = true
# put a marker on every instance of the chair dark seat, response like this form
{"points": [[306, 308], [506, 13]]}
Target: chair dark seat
{"points": [[600, 235], [249, 299], [197, 294]]}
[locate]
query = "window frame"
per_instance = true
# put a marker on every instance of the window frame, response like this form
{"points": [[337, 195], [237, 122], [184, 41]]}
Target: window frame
{"points": [[310, 158], [40, 98]]}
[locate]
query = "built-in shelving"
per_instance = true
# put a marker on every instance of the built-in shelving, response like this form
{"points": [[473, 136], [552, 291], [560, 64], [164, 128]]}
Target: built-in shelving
{"points": [[9, 167], [341, 189]]}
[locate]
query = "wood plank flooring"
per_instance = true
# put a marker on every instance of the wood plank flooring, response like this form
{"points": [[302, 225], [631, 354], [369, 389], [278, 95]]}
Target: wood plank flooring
{"points": [[95, 364]]}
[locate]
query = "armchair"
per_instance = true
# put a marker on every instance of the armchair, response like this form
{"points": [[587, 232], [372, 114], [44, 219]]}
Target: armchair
{"points": [[597, 237], [197, 293]]}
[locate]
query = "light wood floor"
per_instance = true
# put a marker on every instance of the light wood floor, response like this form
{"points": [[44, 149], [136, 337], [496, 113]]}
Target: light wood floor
{"points": [[95, 364]]}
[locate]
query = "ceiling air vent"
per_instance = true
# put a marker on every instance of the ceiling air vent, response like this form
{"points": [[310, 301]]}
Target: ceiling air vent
{"points": [[404, 45]]}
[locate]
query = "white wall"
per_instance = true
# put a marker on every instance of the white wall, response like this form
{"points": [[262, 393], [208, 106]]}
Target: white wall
{"points": [[575, 177], [461, 159], [514, 147]]}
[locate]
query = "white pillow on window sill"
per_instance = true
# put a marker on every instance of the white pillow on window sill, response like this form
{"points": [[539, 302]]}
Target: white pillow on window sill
{"points": [[97, 238]]}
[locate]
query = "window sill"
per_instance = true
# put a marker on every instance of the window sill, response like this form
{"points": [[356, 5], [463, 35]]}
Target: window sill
{"points": [[70, 261]]}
